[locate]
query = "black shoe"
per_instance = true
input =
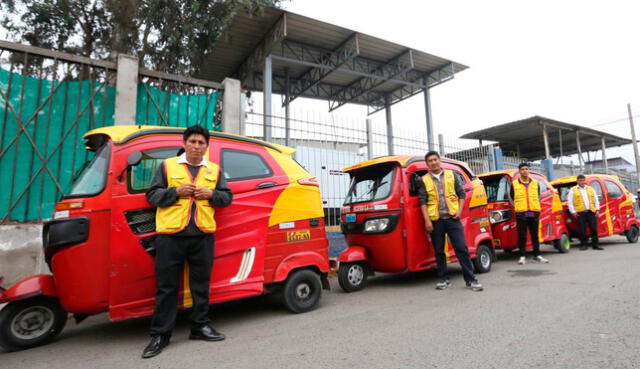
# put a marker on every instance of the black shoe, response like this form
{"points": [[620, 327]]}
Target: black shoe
{"points": [[205, 333], [597, 248], [582, 248], [155, 347]]}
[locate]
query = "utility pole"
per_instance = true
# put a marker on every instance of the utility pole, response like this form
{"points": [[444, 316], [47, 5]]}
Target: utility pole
{"points": [[635, 143]]}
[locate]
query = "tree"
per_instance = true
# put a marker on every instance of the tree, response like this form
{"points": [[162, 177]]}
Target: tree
{"points": [[174, 36]]}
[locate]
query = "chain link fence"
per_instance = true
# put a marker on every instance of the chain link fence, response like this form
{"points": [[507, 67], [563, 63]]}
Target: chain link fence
{"points": [[49, 100]]}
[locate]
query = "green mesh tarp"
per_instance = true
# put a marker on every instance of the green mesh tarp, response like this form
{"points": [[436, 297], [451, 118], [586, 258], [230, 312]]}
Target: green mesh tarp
{"points": [[157, 107], [37, 165]]}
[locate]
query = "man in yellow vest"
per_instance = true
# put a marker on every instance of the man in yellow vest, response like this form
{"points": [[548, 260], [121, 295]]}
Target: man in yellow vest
{"points": [[584, 205], [185, 191], [525, 192], [442, 201]]}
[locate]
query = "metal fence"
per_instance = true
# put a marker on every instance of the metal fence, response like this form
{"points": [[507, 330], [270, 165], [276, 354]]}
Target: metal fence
{"points": [[48, 100], [326, 144]]}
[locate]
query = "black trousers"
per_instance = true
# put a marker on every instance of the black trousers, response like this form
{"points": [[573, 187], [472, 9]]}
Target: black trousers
{"points": [[171, 252], [588, 218], [452, 228], [531, 224]]}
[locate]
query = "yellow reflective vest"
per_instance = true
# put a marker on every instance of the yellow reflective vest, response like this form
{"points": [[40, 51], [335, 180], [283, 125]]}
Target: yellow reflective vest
{"points": [[578, 202], [174, 218], [433, 198], [526, 198]]}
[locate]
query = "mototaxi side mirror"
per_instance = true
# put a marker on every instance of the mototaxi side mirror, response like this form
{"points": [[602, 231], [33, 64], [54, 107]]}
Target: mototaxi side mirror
{"points": [[134, 159]]}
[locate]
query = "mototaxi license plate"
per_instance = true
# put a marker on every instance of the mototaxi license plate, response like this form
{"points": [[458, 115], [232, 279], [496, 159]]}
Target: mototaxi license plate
{"points": [[350, 218]]}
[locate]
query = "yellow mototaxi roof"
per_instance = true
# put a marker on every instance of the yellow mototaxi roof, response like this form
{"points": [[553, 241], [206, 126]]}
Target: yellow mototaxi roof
{"points": [[120, 135], [403, 160], [573, 179], [510, 172]]}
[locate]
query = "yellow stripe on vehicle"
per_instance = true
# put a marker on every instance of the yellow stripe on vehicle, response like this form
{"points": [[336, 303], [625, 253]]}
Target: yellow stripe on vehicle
{"points": [[187, 300], [609, 222], [447, 248], [296, 201], [479, 195]]}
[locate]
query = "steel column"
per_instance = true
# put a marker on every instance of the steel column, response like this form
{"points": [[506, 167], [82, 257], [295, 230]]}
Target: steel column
{"points": [[369, 139], [287, 102], [266, 91], [560, 141], [580, 161], [427, 113], [545, 136], [605, 165], [387, 110]]}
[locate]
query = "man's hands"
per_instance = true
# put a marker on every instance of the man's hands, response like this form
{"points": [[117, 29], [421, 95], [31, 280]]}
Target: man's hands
{"points": [[428, 225], [189, 190], [574, 214], [202, 193], [458, 214], [185, 190]]}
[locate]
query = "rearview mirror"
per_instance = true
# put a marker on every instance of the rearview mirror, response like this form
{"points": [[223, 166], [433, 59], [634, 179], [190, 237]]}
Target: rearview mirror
{"points": [[134, 158]]}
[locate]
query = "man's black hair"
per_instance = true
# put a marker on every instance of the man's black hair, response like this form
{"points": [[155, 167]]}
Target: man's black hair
{"points": [[196, 130], [431, 153], [581, 176], [523, 164]]}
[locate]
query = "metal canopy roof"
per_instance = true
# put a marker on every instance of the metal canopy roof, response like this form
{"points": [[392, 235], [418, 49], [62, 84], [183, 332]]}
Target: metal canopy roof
{"points": [[526, 137], [323, 61]]}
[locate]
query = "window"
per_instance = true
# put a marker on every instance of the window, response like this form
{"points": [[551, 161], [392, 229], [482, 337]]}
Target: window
{"points": [[498, 188], [612, 189], [92, 178], [543, 185], [597, 188], [239, 165], [141, 176], [370, 184]]}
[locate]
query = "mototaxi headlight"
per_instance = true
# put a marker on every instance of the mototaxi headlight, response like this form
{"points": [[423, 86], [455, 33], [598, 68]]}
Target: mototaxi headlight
{"points": [[376, 225]]}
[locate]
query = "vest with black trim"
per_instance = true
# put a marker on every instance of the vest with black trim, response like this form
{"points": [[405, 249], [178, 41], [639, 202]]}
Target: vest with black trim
{"points": [[526, 198], [433, 198], [175, 218], [578, 202]]}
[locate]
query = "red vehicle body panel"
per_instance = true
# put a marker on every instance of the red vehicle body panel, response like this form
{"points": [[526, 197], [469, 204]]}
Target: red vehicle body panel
{"points": [[552, 224], [41, 284], [408, 247], [111, 271], [616, 214]]}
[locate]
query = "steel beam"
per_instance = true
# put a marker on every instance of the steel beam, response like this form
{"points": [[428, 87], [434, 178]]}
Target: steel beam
{"points": [[399, 64], [270, 41], [332, 60], [438, 76]]}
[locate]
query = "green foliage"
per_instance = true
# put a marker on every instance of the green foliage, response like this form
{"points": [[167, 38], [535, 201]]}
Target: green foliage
{"points": [[168, 35]]}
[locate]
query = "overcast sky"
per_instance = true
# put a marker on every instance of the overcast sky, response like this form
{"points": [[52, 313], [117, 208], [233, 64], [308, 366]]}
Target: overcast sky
{"points": [[573, 61]]}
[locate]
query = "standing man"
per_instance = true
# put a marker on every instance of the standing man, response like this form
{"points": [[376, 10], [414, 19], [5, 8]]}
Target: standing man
{"points": [[441, 201], [584, 205], [525, 192], [185, 191]]}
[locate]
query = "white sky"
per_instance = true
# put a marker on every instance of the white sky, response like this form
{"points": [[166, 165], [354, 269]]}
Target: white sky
{"points": [[573, 61]]}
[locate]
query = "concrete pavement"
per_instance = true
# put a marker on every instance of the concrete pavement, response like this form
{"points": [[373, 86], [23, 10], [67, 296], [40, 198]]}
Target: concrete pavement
{"points": [[580, 311]]}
